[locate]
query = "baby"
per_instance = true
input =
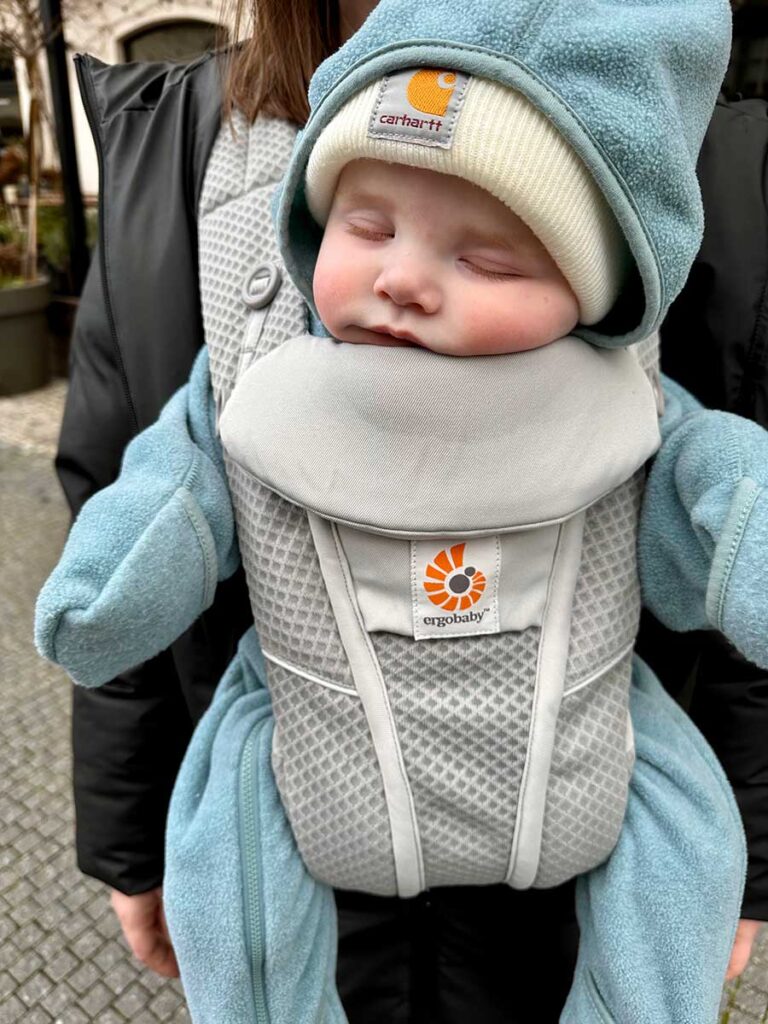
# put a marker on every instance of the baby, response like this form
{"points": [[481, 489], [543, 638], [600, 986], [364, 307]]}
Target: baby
{"points": [[512, 551], [403, 764]]}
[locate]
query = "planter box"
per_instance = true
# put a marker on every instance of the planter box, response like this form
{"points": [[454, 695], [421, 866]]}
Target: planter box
{"points": [[24, 343]]}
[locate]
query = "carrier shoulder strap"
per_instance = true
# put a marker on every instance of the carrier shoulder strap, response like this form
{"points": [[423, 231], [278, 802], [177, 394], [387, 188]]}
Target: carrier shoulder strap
{"points": [[249, 303]]}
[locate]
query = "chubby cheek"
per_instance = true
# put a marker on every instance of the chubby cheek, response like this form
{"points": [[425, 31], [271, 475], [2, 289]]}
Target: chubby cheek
{"points": [[518, 322], [486, 331], [335, 285]]}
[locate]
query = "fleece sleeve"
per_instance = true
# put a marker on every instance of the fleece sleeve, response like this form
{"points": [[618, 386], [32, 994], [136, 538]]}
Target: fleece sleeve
{"points": [[145, 554], [703, 540]]}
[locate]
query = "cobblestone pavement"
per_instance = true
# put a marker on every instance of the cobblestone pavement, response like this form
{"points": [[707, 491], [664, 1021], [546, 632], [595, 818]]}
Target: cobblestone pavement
{"points": [[62, 958]]}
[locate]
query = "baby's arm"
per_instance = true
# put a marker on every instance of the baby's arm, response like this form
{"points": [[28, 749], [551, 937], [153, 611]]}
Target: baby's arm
{"points": [[703, 541], [145, 554]]}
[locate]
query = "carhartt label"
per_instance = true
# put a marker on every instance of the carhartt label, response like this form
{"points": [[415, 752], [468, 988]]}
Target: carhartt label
{"points": [[420, 106], [455, 588]]}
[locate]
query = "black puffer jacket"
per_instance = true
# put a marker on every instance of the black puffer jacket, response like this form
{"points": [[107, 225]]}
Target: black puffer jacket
{"points": [[138, 329]]}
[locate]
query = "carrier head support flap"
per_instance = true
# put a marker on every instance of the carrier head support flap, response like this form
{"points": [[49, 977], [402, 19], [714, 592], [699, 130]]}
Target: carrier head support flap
{"points": [[628, 89]]}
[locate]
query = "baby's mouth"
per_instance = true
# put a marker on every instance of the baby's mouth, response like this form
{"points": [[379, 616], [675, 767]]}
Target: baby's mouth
{"points": [[398, 337]]}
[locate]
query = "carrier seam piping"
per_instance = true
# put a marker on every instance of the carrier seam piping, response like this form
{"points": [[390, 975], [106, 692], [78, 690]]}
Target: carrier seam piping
{"points": [[612, 662], [308, 675]]}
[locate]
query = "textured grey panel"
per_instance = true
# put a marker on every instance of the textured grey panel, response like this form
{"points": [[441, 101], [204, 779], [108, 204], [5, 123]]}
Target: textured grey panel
{"points": [[606, 605], [290, 603], [338, 815], [225, 171], [291, 609], [249, 158], [462, 708], [269, 149], [224, 262], [233, 240], [236, 234], [587, 790], [328, 777]]}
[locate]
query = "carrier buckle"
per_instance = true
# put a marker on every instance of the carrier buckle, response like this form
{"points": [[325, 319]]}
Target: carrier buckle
{"points": [[261, 285]]}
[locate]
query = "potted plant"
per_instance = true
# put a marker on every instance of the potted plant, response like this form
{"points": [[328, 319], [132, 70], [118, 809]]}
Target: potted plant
{"points": [[24, 290], [55, 258]]}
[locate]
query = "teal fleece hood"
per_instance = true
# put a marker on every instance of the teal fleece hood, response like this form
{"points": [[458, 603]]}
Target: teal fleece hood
{"points": [[630, 84]]}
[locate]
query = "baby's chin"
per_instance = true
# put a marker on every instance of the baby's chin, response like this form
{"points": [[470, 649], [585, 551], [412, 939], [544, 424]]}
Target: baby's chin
{"points": [[366, 336]]}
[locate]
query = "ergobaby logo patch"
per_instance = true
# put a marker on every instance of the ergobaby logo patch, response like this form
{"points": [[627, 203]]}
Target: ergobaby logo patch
{"points": [[420, 106], [455, 589]]}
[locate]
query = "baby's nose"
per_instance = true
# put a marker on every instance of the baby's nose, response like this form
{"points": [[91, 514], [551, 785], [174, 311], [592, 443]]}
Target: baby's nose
{"points": [[407, 282]]}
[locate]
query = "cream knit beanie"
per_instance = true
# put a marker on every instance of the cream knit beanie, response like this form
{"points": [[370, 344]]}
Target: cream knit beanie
{"points": [[494, 137]]}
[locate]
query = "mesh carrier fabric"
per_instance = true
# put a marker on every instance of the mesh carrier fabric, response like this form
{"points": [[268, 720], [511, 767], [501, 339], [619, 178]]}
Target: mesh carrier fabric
{"points": [[463, 710], [606, 604], [462, 706], [290, 603], [588, 780], [338, 813], [647, 354]]}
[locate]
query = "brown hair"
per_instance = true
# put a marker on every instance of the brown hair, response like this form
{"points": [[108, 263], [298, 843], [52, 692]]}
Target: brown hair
{"points": [[269, 72]]}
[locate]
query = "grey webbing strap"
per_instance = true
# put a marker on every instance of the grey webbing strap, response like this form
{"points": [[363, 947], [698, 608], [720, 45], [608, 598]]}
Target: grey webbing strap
{"points": [[237, 249], [372, 690], [259, 290]]}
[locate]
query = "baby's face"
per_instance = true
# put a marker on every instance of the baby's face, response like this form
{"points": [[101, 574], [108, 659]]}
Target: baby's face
{"points": [[410, 256]]}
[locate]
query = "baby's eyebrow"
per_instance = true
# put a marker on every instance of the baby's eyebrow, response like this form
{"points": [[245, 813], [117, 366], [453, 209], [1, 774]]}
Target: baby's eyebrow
{"points": [[359, 197], [493, 240]]}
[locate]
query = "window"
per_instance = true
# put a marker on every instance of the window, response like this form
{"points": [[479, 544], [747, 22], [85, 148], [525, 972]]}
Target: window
{"points": [[175, 40], [10, 112]]}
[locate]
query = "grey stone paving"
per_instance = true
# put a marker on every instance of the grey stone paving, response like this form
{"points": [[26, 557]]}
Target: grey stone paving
{"points": [[62, 958], [61, 955]]}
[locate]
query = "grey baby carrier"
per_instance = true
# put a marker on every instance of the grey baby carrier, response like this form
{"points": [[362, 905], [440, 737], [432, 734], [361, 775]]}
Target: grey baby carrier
{"points": [[440, 554]]}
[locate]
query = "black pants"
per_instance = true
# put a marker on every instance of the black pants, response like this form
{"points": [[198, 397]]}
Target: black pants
{"points": [[489, 955]]}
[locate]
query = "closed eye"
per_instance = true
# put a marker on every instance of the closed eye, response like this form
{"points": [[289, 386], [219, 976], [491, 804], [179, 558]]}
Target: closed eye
{"points": [[370, 234], [494, 275]]}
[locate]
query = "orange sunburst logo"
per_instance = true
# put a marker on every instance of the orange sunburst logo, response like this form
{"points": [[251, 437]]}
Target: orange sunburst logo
{"points": [[450, 584]]}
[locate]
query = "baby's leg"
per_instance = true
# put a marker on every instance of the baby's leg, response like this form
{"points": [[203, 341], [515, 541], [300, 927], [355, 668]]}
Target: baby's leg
{"points": [[254, 934]]}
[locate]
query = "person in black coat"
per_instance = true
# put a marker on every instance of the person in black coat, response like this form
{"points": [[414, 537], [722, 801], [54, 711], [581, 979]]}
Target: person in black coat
{"points": [[442, 956]]}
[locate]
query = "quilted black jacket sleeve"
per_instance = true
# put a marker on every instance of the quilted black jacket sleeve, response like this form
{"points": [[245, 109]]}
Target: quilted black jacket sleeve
{"points": [[137, 332]]}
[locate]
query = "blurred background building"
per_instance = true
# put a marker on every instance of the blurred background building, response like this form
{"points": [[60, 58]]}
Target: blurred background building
{"points": [[115, 31]]}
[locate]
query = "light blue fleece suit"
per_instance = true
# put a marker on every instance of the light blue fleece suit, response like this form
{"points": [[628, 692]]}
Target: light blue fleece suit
{"points": [[631, 87]]}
